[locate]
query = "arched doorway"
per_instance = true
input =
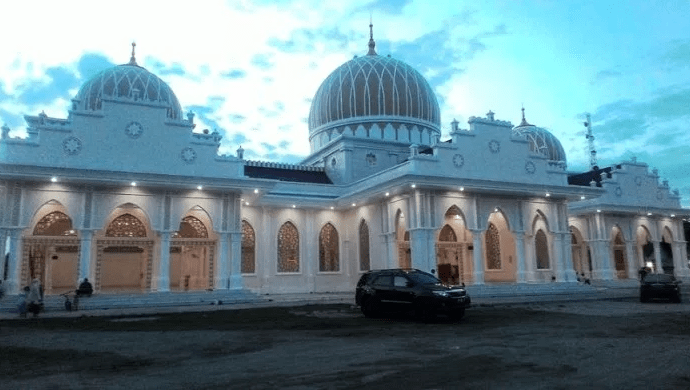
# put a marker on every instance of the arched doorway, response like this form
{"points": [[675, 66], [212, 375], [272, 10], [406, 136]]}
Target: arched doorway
{"points": [[51, 253], [582, 262], [402, 237], [124, 260], [452, 247], [645, 248], [191, 256], [499, 250], [666, 252], [619, 256]]}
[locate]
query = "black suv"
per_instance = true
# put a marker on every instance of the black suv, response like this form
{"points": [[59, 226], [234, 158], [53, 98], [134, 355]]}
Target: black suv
{"points": [[409, 290]]}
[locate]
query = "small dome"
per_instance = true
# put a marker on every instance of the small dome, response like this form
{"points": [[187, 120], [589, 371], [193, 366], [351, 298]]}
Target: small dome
{"points": [[540, 140], [128, 81], [373, 89]]}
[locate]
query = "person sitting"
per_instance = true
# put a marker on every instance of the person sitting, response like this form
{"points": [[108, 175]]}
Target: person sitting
{"points": [[85, 289]]}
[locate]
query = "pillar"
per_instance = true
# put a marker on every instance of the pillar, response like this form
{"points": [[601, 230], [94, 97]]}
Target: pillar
{"points": [[657, 257], [235, 274], [566, 244], [164, 264], [559, 261], [85, 245], [520, 253], [221, 278], [478, 252], [14, 263], [3, 242], [633, 266]]}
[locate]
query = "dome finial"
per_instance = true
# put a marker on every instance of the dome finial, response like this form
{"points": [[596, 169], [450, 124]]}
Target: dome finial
{"points": [[524, 121], [133, 60], [372, 44]]}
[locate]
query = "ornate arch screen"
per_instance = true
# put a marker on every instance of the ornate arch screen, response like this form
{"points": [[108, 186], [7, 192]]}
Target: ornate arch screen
{"points": [[329, 256], [191, 227], [447, 234], [493, 248], [288, 248], [364, 261], [54, 224], [126, 225], [542, 250], [248, 248]]}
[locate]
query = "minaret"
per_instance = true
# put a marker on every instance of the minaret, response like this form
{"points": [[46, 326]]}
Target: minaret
{"points": [[133, 60], [590, 143], [372, 44]]}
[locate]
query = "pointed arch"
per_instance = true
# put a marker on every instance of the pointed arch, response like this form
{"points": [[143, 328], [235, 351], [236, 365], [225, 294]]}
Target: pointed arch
{"points": [[288, 248], [55, 223], [447, 234], [619, 258], [493, 248], [248, 248], [541, 246], [126, 225], [364, 260], [329, 253], [582, 261], [191, 227], [540, 221]]}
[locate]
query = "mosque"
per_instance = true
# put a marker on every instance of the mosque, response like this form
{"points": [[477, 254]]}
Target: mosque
{"points": [[125, 193]]}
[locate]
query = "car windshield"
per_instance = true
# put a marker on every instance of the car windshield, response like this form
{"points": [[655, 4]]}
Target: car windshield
{"points": [[659, 278], [423, 278]]}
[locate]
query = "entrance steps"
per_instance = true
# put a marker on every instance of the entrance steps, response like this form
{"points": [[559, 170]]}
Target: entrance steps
{"points": [[104, 301]]}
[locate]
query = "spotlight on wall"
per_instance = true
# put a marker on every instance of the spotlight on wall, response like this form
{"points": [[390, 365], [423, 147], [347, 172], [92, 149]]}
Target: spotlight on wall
{"points": [[53, 179]]}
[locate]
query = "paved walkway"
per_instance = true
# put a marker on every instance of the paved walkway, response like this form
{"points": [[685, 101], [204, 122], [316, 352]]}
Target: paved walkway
{"points": [[481, 296]]}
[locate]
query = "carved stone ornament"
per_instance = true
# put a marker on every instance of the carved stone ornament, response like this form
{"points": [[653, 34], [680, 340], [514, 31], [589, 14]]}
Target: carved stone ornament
{"points": [[494, 146], [134, 130], [619, 192], [188, 155], [530, 168], [458, 160], [71, 145]]}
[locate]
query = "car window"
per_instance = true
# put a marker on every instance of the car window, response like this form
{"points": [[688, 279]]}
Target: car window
{"points": [[423, 278], [383, 281], [659, 278], [399, 281]]}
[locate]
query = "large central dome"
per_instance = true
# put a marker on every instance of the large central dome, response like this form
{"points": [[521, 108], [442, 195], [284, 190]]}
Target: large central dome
{"points": [[373, 89], [128, 81]]}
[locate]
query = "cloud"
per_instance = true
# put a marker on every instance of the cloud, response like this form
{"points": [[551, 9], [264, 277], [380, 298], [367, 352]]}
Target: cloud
{"points": [[238, 139], [91, 64], [604, 75], [262, 61], [234, 74], [678, 55], [206, 115], [237, 118], [58, 83]]}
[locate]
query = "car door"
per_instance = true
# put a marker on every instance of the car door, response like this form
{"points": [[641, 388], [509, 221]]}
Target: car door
{"points": [[402, 293]]}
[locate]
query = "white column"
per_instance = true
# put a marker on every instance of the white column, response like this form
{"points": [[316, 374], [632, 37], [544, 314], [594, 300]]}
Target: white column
{"points": [[13, 268], [86, 241], [3, 241], [567, 246], [530, 258], [390, 242], [630, 255], [478, 252], [680, 264], [235, 274], [559, 261], [520, 253], [657, 257], [163, 283], [221, 282]]}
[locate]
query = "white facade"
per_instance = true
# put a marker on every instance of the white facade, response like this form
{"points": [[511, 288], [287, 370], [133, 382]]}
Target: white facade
{"points": [[125, 193]]}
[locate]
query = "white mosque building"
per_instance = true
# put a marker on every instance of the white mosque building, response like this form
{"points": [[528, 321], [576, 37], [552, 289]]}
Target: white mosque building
{"points": [[125, 193]]}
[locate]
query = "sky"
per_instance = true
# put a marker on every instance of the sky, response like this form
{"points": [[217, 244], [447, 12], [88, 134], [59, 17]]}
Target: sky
{"points": [[249, 69]]}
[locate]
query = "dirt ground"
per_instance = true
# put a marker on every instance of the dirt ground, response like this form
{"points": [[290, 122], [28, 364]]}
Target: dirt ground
{"points": [[598, 344]]}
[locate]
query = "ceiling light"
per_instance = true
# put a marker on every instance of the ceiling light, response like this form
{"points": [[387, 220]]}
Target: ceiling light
{"points": [[53, 179], [413, 186], [649, 214], [582, 197], [462, 188], [332, 207], [673, 215], [199, 187], [293, 206], [598, 211], [134, 184], [246, 203]]}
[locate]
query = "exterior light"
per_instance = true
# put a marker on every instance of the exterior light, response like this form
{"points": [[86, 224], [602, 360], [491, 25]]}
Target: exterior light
{"points": [[354, 204], [673, 215], [495, 209], [134, 184], [462, 188], [246, 203], [332, 207], [598, 211], [199, 187], [388, 193], [256, 190], [413, 186], [293, 206], [548, 194], [53, 179], [582, 197], [649, 214]]}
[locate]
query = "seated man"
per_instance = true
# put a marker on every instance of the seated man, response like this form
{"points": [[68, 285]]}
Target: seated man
{"points": [[85, 289]]}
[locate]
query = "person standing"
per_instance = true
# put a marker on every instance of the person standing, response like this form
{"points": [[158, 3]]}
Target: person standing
{"points": [[34, 298]]}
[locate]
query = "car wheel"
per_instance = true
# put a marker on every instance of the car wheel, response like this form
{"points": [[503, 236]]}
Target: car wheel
{"points": [[370, 307], [457, 315]]}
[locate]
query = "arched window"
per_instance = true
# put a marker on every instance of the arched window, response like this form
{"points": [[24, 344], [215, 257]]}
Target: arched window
{"points": [[288, 248], [248, 248], [493, 248], [54, 224], [447, 234], [126, 225], [191, 227], [364, 262], [329, 258], [542, 250]]}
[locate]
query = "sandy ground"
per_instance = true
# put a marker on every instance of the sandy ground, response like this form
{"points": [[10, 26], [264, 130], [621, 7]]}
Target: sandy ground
{"points": [[596, 344]]}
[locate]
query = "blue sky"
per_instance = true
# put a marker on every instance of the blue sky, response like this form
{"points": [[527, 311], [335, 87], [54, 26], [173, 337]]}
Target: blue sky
{"points": [[250, 68]]}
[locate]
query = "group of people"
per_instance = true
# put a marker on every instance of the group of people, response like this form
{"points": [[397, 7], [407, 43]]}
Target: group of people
{"points": [[31, 298]]}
